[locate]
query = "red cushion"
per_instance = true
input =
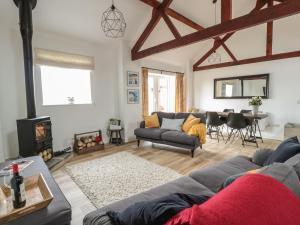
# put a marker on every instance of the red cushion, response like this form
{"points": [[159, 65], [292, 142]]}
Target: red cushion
{"points": [[251, 200]]}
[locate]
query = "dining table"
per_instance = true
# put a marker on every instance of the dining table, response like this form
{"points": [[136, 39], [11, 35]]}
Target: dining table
{"points": [[254, 126]]}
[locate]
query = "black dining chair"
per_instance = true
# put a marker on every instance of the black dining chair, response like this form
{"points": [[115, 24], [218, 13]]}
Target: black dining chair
{"points": [[250, 123], [223, 118], [237, 122], [214, 124]]}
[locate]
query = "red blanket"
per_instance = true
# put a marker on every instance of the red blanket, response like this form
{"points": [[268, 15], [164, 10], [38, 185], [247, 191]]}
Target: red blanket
{"points": [[251, 200]]}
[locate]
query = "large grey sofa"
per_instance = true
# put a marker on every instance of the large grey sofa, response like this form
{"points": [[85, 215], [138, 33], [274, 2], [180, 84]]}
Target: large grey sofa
{"points": [[170, 137], [205, 181]]}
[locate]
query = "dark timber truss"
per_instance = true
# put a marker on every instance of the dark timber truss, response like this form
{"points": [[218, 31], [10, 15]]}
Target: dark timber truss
{"points": [[265, 11]]}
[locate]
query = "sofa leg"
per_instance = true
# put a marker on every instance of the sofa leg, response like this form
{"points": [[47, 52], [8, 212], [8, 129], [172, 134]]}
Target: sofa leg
{"points": [[192, 153], [138, 142]]}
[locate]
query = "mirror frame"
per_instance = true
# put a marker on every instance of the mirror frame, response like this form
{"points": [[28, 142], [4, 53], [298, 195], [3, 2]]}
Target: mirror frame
{"points": [[242, 78]]}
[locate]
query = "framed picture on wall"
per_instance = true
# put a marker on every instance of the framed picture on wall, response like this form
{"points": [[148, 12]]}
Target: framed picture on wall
{"points": [[133, 96], [133, 79]]}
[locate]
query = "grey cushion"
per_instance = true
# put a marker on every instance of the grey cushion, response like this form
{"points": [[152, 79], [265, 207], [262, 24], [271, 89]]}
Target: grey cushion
{"points": [[285, 174], [184, 185], [150, 133], [261, 155], [180, 137], [213, 177], [172, 124], [295, 163]]}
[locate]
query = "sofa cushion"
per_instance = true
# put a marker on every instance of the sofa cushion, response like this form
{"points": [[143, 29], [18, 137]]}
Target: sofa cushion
{"points": [[172, 124], [214, 176], [185, 185], [156, 211], [150, 133], [179, 137], [152, 121], [189, 122], [283, 173], [261, 155], [284, 151], [295, 163], [251, 200]]}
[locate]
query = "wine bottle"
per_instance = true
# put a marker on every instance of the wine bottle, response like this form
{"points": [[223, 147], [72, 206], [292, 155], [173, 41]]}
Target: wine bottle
{"points": [[17, 188]]}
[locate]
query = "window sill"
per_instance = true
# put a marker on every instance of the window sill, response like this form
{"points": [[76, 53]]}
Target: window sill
{"points": [[70, 105]]}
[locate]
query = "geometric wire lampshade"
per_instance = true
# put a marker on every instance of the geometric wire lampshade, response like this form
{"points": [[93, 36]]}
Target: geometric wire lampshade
{"points": [[113, 23]]}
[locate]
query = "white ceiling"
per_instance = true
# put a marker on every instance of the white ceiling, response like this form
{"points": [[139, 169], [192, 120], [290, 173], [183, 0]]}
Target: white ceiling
{"points": [[81, 19]]}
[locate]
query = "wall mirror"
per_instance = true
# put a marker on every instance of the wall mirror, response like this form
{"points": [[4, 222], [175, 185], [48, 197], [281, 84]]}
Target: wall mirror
{"points": [[242, 87]]}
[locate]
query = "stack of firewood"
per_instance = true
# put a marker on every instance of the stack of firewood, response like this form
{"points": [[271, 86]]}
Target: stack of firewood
{"points": [[86, 142]]}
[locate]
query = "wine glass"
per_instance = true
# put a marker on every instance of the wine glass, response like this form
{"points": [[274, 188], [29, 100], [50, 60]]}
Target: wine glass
{"points": [[6, 203]]}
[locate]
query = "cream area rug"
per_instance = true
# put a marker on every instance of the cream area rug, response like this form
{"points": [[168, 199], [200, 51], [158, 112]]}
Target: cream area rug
{"points": [[118, 176]]}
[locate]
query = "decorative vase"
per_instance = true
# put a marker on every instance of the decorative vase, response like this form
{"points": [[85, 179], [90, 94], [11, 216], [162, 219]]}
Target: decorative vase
{"points": [[255, 109]]}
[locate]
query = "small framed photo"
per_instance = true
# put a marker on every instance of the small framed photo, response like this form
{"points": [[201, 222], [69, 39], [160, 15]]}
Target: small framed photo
{"points": [[133, 96], [133, 79]]}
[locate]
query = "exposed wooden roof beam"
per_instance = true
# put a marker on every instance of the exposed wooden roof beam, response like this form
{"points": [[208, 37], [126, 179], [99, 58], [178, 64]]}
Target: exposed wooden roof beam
{"points": [[282, 10], [226, 10], [251, 60], [156, 16], [269, 43], [171, 26]]}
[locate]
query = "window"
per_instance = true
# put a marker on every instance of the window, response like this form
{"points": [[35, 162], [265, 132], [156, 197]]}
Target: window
{"points": [[161, 92], [63, 86], [229, 90]]}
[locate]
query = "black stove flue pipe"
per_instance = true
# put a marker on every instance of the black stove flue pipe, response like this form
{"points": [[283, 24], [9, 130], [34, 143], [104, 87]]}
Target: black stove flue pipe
{"points": [[25, 21]]}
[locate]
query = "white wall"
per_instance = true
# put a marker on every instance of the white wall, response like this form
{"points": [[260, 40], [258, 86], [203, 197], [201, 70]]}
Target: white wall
{"points": [[66, 120], [284, 102], [12, 94], [1, 146], [131, 114], [109, 89], [71, 119]]}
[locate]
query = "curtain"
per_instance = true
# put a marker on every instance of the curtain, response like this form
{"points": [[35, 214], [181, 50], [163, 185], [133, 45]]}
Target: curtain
{"points": [[145, 91], [62, 59], [180, 94]]}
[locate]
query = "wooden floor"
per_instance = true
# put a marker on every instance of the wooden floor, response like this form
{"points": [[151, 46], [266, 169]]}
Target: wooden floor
{"points": [[175, 159]]}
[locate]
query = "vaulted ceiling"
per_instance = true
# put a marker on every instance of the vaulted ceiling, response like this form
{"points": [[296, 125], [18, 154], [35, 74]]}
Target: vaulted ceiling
{"points": [[81, 19]]}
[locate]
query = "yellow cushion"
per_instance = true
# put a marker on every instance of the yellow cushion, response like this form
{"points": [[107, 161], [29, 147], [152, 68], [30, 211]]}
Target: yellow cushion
{"points": [[198, 130], [151, 121], [190, 121]]}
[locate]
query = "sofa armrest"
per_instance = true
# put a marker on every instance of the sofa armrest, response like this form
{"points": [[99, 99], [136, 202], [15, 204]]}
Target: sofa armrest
{"points": [[142, 124], [261, 155]]}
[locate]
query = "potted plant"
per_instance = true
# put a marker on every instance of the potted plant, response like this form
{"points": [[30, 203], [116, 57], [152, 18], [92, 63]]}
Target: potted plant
{"points": [[255, 102]]}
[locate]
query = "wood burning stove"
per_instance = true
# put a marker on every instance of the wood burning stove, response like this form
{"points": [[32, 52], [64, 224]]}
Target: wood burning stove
{"points": [[35, 137], [34, 133]]}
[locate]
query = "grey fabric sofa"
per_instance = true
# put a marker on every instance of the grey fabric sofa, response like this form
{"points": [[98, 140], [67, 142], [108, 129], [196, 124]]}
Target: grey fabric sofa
{"points": [[59, 210], [170, 137], [205, 181]]}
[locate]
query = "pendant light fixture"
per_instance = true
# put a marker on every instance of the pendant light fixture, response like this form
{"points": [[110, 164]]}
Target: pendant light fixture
{"points": [[113, 23], [215, 57]]}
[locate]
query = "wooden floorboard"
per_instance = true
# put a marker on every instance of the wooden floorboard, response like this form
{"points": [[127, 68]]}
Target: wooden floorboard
{"points": [[176, 159]]}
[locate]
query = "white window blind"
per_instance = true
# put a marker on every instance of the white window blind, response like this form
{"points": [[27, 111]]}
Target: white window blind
{"points": [[62, 59]]}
